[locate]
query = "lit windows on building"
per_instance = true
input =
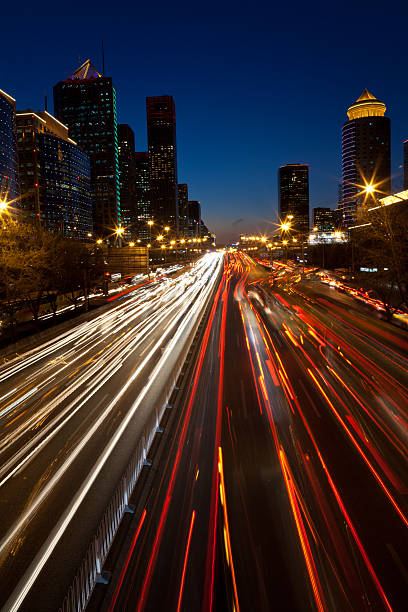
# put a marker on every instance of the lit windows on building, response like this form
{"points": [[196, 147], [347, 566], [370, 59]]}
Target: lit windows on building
{"points": [[86, 102], [366, 153], [54, 175], [9, 188]]}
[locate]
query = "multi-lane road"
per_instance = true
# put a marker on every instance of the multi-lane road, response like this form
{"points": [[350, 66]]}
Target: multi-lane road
{"points": [[286, 487], [279, 480], [71, 413]]}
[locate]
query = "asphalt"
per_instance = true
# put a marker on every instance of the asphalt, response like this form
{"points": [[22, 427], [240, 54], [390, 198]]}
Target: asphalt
{"points": [[72, 412], [278, 479], [286, 485]]}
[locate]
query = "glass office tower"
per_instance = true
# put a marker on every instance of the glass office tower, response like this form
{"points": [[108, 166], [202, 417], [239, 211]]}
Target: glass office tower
{"points": [[294, 196], [161, 139], [55, 175], [86, 103], [366, 153], [9, 188]]}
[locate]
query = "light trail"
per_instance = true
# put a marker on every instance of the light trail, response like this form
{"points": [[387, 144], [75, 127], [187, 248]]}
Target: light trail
{"points": [[176, 308]]}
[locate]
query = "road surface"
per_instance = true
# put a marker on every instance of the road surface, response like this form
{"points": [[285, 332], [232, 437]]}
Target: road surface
{"points": [[71, 413]]}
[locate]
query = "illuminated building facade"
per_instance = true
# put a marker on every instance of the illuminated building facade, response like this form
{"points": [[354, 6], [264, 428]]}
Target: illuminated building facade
{"points": [[183, 207], [293, 182], [366, 153], [126, 152], [161, 139], [323, 219], [142, 184], [86, 103], [55, 175], [9, 188]]}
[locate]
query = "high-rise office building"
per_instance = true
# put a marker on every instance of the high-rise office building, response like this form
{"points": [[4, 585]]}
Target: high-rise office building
{"points": [[161, 139], [366, 152], [9, 188], [194, 219], [142, 184], [405, 164], [127, 178], [294, 196], [55, 175], [323, 219], [86, 103], [182, 189]]}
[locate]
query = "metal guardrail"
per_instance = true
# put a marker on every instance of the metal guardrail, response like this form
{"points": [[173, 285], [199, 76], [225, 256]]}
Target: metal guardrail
{"points": [[90, 570]]}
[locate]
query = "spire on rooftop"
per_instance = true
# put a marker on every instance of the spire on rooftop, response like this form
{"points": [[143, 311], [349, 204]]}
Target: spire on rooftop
{"points": [[366, 95], [86, 71], [366, 105]]}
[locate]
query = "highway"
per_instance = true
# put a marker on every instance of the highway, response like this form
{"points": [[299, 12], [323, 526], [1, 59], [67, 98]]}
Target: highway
{"points": [[331, 386], [282, 483], [71, 412]]}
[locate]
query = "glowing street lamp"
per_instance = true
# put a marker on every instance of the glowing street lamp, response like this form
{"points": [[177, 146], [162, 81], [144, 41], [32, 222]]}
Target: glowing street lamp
{"points": [[3, 206], [160, 237], [167, 229], [285, 227], [150, 222], [131, 244], [99, 241]]}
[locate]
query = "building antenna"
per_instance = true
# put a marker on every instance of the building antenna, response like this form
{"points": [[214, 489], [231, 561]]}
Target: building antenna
{"points": [[103, 60], [45, 100]]}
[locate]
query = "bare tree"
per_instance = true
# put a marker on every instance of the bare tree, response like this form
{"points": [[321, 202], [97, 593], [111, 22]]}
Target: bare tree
{"points": [[381, 252]]}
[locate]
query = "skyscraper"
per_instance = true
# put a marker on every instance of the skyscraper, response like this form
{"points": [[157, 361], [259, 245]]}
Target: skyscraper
{"points": [[194, 219], [142, 184], [161, 139], [323, 219], [127, 178], [8, 148], [294, 196], [366, 153], [55, 175], [86, 103], [183, 206]]}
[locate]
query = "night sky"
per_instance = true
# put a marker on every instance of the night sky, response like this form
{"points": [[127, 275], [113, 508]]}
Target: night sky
{"points": [[252, 91]]}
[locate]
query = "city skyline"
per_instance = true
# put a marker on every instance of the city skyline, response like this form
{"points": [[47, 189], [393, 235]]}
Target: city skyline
{"points": [[297, 120]]}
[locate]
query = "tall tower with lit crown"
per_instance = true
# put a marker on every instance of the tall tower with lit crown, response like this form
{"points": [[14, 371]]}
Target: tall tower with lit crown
{"points": [[86, 103], [366, 153]]}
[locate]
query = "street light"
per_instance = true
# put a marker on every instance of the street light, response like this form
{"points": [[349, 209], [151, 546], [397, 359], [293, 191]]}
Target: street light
{"points": [[160, 237], [167, 229], [131, 244], [3, 206], [99, 241]]}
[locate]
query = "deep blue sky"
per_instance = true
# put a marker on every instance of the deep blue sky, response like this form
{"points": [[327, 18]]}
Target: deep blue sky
{"points": [[252, 91]]}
